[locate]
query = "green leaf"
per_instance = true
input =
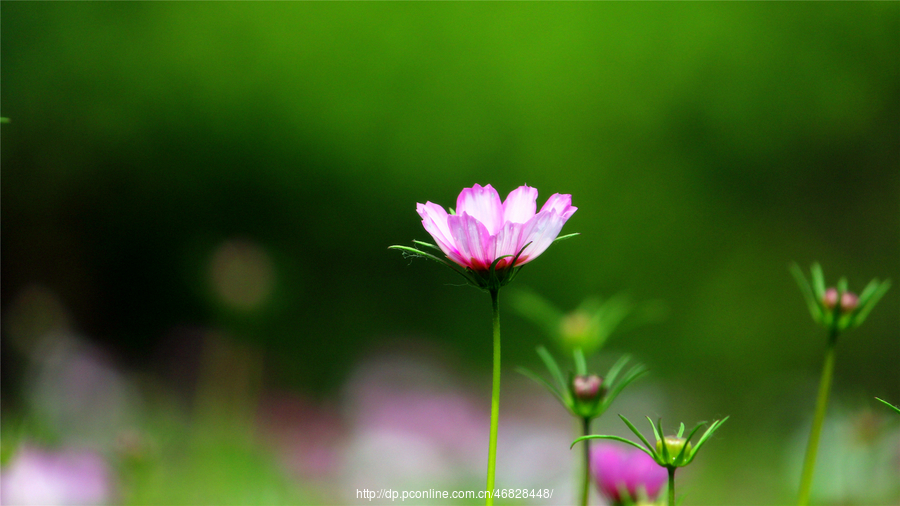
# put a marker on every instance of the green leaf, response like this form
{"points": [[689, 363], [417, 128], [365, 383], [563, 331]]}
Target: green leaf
{"points": [[550, 362], [842, 286], [614, 438], [688, 439], [639, 435], [580, 364], [632, 374], [538, 310], [615, 369], [542, 381], [662, 436], [814, 309], [680, 429], [456, 268], [567, 236], [870, 302], [818, 279], [706, 435], [427, 245], [888, 404]]}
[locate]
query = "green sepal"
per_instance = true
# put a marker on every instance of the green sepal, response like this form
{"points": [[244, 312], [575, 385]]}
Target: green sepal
{"points": [[553, 390], [706, 435], [580, 364], [567, 236], [888, 404], [818, 278], [661, 440], [815, 308], [680, 430], [555, 372], [640, 436], [614, 438], [872, 298]]}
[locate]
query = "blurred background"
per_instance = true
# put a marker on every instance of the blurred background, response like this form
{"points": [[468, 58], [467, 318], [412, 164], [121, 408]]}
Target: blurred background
{"points": [[198, 302]]}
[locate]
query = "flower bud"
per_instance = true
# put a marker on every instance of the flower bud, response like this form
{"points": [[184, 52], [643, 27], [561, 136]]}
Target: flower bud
{"points": [[830, 298], [586, 388], [674, 445], [849, 301]]}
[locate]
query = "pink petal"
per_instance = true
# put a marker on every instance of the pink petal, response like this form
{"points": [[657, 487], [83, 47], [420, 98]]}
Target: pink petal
{"points": [[561, 203], [483, 204], [540, 232], [520, 204], [434, 219], [507, 242], [472, 240]]}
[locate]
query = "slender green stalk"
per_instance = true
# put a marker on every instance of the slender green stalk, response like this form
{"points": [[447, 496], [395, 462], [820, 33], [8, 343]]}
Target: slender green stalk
{"points": [[586, 484], [495, 399], [671, 485], [809, 463]]}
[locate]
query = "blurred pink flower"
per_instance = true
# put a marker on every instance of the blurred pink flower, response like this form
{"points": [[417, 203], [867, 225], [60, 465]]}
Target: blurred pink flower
{"points": [[618, 469], [484, 229], [38, 477]]}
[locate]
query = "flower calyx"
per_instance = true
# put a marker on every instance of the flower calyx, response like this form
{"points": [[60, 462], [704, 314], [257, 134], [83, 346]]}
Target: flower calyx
{"points": [[837, 308], [670, 451], [585, 395]]}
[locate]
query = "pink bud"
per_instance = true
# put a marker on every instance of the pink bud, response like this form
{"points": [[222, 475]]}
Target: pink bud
{"points": [[830, 299], [849, 301], [586, 387]]}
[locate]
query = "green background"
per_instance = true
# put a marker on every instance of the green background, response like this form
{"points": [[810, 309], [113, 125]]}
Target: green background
{"points": [[707, 146]]}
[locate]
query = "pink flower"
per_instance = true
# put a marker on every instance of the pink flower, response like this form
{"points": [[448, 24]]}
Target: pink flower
{"points": [[48, 478], [484, 229], [621, 470]]}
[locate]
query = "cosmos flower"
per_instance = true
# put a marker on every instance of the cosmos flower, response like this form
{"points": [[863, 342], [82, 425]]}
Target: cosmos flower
{"points": [[619, 471], [483, 229]]}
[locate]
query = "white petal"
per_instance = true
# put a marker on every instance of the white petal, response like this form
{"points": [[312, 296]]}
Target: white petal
{"points": [[520, 204], [483, 204]]}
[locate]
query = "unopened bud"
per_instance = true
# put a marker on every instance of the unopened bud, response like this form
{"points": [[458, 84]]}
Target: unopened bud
{"points": [[674, 445], [586, 387], [831, 298], [849, 301]]}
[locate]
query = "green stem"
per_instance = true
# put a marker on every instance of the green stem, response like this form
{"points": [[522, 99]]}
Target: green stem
{"points": [[809, 463], [495, 399], [586, 485], [671, 485]]}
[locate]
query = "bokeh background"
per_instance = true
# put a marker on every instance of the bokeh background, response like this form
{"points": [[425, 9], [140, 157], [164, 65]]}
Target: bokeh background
{"points": [[198, 302]]}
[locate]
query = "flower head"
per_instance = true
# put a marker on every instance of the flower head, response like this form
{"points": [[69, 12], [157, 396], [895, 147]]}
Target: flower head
{"points": [[484, 229], [837, 308], [619, 471], [491, 239]]}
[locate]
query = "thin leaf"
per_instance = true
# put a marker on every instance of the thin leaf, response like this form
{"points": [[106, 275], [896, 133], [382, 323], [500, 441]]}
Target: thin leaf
{"points": [[888, 404], [680, 430], [633, 374], [818, 281], [875, 297], [550, 362], [580, 364], [842, 286], [639, 435], [807, 292], [662, 437], [538, 310], [706, 435], [427, 244], [614, 370], [614, 438], [688, 440], [567, 236], [542, 381], [868, 291]]}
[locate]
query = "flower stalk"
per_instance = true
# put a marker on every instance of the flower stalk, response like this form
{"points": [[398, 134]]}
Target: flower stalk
{"points": [[838, 310], [495, 399]]}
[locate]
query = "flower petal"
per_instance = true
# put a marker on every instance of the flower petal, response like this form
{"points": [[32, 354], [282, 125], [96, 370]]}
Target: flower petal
{"points": [[507, 242], [562, 203], [434, 219], [520, 204], [472, 240], [540, 232], [483, 204]]}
